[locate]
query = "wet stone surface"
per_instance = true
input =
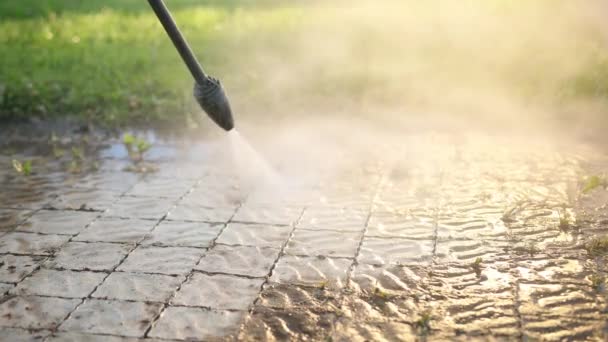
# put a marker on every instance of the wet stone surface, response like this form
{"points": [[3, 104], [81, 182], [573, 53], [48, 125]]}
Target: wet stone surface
{"points": [[443, 236]]}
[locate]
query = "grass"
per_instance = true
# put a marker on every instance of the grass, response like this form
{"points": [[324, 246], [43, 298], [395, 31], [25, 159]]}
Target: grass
{"points": [[111, 62], [114, 63]]}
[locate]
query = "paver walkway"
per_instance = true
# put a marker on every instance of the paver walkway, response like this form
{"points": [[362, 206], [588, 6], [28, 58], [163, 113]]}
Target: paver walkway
{"points": [[438, 236]]}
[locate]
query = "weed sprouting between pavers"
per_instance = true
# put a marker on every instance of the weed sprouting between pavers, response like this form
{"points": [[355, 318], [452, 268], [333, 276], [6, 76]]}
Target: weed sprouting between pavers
{"points": [[566, 221], [24, 168], [593, 182], [136, 148], [382, 294], [423, 323], [598, 282], [477, 267], [597, 246]]}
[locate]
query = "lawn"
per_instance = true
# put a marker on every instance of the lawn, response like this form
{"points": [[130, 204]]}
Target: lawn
{"points": [[110, 61]]}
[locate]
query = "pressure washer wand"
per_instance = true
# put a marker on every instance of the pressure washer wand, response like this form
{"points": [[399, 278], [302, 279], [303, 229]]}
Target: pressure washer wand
{"points": [[208, 91]]}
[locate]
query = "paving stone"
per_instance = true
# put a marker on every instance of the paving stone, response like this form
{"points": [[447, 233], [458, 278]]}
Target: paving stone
{"points": [[267, 214], [553, 269], [111, 176], [80, 337], [33, 312], [116, 230], [467, 251], [242, 260], [31, 196], [288, 296], [378, 251], [214, 198], [311, 271], [28, 243], [165, 260], [10, 218], [333, 218], [285, 325], [58, 222], [60, 283], [471, 227], [326, 243], [183, 234], [353, 330], [257, 235], [480, 315], [4, 288], [96, 256], [464, 280], [412, 279], [186, 169], [141, 207], [387, 224], [195, 323], [14, 267], [22, 335], [549, 328], [564, 300], [138, 287], [162, 187], [86, 199], [190, 212], [112, 317], [218, 292]]}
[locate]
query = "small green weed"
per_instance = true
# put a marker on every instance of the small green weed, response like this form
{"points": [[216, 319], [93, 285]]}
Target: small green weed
{"points": [[593, 182], [382, 294], [77, 154], [423, 324], [136, 147], [565, 220], [476, 266], [77, 160], [597, 246], [528, 248], [598, 282], [24, 168]]}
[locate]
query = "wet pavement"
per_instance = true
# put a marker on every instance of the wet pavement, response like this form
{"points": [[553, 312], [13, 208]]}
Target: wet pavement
{"points": [[441, 236]]}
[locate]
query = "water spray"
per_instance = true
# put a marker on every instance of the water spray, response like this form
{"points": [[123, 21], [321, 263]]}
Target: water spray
{"points": [[208, 91]]}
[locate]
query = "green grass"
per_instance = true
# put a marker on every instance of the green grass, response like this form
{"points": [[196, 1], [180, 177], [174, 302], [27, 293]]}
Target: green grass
{"points": [[114, 62], [111, 61]]}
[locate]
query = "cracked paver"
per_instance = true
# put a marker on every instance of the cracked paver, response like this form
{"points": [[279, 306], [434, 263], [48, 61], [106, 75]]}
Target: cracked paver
{"points": [[476, 236]]}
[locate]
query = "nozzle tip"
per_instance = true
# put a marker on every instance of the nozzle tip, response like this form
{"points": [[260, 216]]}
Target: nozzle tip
{"points": [[211, 97]]}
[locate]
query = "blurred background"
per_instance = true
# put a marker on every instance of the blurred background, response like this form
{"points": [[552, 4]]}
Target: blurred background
{"points": [[498, 61]]}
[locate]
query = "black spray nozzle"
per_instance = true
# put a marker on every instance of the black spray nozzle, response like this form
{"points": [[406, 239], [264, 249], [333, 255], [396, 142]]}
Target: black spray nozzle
{"points": [[208, 91], [212, 98]]}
